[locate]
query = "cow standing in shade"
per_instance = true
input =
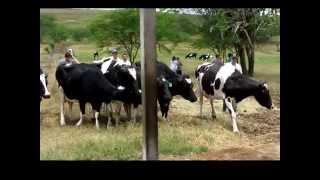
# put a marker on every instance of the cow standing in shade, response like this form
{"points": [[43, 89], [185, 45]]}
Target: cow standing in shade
{"points": [[225, 82]]}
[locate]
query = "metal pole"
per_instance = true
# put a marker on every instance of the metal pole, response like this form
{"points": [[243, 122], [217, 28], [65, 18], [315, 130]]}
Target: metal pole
{"points": [[148, 81]]}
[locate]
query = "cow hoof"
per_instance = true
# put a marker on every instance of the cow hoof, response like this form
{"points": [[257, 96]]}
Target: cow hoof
{"points": [[62, 124], [236, 131], [214, 117]]}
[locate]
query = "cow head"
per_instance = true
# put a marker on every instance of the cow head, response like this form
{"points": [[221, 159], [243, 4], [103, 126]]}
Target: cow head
{"points": [[128, 78], [43, 85], [262, 95], [163, 89], [183, 86]]}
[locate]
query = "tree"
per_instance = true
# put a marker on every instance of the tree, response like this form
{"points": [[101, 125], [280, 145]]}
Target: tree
{"points": [[122, 28], [245, 26], [216, 33]]}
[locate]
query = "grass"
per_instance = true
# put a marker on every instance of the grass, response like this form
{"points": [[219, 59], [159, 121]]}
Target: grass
{"points": [[86, 143]]}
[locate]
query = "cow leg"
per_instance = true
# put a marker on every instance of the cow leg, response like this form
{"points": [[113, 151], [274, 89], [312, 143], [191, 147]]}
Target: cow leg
{"points": [[110, 115], [62, 120], [228, 102], [213, 112], [95, 109], [201, 103], [224, 108], [135, 110], [82, 112], [127, 109], [118, 112], [70, 109]]}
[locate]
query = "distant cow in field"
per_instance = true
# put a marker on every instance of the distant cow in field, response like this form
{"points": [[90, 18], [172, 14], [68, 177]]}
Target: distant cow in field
{"points": [[225, 82], [44, 93], [205, 57], [96, 55], [191, 55]]}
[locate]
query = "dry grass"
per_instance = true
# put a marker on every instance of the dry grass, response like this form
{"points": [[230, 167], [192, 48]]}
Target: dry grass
{"points": [[185, 136]]}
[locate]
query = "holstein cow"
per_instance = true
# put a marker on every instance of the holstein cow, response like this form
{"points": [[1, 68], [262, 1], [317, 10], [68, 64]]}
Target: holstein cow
{"points": [[178, 85], [191, 55], [125, 77], [224, 82], [44, 93], [86, 84], [164, 96], [204, 57]]}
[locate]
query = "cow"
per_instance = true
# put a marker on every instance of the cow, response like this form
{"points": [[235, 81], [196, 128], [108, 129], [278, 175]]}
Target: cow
{"points": [[164, 96], [225, 82], [205, 57], [85, 83], [178, 85], [191, 55], [96, 55], [44, 93], [125, 76]]}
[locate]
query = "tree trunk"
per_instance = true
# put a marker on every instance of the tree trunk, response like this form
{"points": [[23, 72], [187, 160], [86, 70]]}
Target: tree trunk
{"points": [[241, 53], [250, 55]]}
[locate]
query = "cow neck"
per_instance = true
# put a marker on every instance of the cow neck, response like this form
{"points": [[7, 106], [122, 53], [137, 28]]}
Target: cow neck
{"points": [[240, 87]]}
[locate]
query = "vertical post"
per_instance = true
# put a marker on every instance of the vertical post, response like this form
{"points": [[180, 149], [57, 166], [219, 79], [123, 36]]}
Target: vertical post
{"points": [[148, 81]]}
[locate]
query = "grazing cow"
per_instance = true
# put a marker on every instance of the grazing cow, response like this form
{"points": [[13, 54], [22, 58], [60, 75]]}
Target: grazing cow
{"points": [[225, 82], [96, 55], [86, 84], [178, 85], [205, 57], [191, 55], [44, 93]]}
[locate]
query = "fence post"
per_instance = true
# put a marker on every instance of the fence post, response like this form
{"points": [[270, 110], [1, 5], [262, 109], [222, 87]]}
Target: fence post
{"points": [[148, 81]]}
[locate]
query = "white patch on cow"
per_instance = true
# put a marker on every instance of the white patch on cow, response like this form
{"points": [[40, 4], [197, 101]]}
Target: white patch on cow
{"points": [[170, 84], [43, 81], [188, 80], [204, 64], [140, 91], [223, 74], [265, 85], [105, 66], [163, 79], [133, 73], [121, 88]]}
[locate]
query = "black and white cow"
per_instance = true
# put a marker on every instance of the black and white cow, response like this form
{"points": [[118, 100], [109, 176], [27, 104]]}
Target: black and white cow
{"points": [[164, 96], [124, 76], [205, 57], [191, 55], [44, 93], [96, 55], [86, 84], [225, 82], [178, 85]]}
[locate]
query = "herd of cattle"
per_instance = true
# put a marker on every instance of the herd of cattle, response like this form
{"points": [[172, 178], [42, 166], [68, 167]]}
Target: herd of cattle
{"points": [[121, 85], [204, 57]]}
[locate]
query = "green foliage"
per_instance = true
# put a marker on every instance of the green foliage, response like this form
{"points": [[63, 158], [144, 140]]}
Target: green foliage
{"points": [[78, 33], [50, 31], [121, 28]]}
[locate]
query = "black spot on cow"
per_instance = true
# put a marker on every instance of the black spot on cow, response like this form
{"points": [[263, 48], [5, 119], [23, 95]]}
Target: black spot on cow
{"points": [[217, 83]]}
